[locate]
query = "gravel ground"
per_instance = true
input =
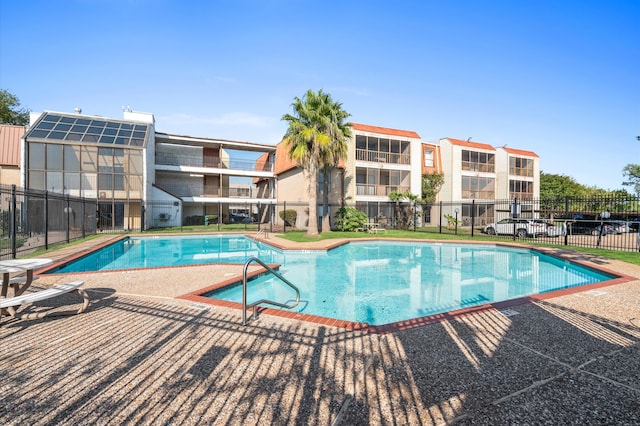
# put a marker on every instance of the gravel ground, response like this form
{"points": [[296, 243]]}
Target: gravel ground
{"points": [[141, 356]]}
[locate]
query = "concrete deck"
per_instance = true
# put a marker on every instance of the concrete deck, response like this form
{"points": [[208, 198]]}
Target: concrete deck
{"points": [[141, 356]]}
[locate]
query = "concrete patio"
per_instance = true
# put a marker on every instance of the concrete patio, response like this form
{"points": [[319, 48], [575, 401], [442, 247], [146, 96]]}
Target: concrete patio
{"points": [[141, 356]]}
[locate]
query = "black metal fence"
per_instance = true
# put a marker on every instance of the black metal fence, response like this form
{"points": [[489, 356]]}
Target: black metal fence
{"points": [[32, 219], [605, 222], [598, 222]]}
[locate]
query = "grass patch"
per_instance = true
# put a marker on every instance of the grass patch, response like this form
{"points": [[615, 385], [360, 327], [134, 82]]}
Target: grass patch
{"points": [[52, 247]]}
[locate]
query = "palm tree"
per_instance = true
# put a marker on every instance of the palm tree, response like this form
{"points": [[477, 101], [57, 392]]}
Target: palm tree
{"points": [[304, 139], [314, 138], [340, 132]]}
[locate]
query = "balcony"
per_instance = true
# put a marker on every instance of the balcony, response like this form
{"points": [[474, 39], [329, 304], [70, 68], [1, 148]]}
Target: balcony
{"points": [[478, 167], [186, 190], [172, 159], [382, 157], [379, 190]]}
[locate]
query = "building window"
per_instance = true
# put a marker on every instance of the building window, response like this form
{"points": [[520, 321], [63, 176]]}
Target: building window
{"points": [[476, 161], [321, 177], [54, 157], [478, 188], [519, 166], [381, 150], [36, 156], [381, 182], [87, 171], [428, 158], [520, 189]]}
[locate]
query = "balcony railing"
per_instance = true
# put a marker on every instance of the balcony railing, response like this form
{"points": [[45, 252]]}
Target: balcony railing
{"points": [[478, 167], [185, 190], [170, 159], [382, 157], [379, 190], [478, 195]]}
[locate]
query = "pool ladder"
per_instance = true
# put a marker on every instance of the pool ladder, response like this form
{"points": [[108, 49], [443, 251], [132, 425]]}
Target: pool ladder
{"points": [[254, 305], [261, 232]]}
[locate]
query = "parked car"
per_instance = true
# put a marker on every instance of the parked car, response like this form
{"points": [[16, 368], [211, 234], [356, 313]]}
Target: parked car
{"points": [[619, 226], [240, 218], [555, 229], [521, 227], [589, 228]]}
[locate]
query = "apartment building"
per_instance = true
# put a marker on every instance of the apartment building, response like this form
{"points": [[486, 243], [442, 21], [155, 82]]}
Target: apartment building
{"points": [[476, 174], [125, 165], [208, 180], [380, 161]]}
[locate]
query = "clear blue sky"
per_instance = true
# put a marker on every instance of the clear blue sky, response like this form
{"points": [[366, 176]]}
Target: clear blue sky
{"points": [[560, 78]]}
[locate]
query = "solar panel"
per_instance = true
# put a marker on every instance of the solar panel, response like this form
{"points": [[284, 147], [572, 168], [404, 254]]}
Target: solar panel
{"points": [[90, 131]]}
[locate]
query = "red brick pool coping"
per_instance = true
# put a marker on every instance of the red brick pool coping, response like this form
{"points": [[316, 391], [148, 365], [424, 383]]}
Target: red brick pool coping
{"points": [[197, 296]]}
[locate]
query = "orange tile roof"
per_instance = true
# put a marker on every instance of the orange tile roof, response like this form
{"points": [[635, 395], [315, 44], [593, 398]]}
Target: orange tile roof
{"points": [[520, 152], [385, 130], [261, 162], [10, 136], [470, 144], [284, 163], [261, 165]]}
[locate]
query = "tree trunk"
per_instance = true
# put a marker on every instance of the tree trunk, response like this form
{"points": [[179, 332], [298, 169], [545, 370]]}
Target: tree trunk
{"points": [[312, 228], [326, 226]]}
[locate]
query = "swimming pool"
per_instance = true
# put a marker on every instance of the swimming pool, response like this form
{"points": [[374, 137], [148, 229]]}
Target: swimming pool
{"points": [[384, 282], [373, 282], [155, 252]]}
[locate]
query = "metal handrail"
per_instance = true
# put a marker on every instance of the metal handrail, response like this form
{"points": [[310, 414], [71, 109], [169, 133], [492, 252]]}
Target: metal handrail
{"points": [[254, 305]]}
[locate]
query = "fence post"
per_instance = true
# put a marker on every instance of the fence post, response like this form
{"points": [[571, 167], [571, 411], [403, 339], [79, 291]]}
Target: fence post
{"points": [[46, 220], [284, 219], [272, 215], [473, 215], [67, 210], [440, 218], [415, 213], [142, 214], [84, 211], [219, 215], [566, 214], [14, 225], [515, 214]]}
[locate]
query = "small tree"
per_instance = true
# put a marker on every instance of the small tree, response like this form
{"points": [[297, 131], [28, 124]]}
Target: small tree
{"points": [[631, 172], [431, 184], [350, 219], [10, 111], [288, 216], [451, 221], [404, 213]]}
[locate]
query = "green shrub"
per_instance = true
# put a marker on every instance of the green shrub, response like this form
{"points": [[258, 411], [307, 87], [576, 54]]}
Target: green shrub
{"points": [[210, 219], [289, 216], [350, 219]]}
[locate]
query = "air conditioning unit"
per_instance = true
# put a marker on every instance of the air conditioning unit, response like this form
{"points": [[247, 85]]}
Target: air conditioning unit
{"points": [[163, 216]]}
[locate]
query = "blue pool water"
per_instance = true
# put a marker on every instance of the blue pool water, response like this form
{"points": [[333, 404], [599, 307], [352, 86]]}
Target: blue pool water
{"points": [[154, 252], [370, 282]]}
